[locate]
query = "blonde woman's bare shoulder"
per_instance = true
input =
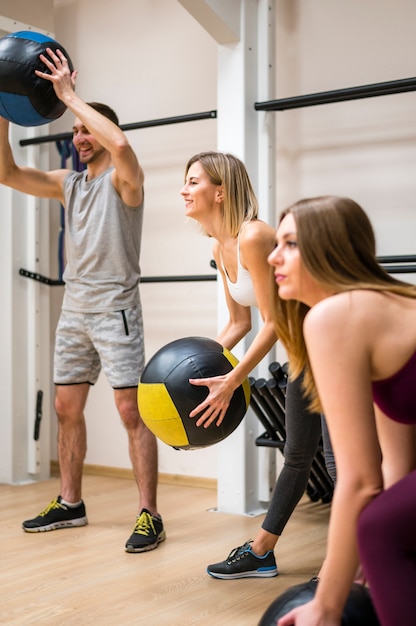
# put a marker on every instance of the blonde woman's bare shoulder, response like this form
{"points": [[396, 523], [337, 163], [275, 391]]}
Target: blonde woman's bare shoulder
{"points": [[257, 240], [257, 232]]}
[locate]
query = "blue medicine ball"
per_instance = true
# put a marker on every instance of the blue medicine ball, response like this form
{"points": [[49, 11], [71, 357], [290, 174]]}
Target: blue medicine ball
{"points": [[26, 99]]}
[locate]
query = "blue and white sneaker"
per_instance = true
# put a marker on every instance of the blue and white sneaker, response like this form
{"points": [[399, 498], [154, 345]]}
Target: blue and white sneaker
{"points": [[242, 562]]}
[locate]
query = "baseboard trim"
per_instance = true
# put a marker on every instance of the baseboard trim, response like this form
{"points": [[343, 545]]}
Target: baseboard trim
{"points": [[165, 479]]}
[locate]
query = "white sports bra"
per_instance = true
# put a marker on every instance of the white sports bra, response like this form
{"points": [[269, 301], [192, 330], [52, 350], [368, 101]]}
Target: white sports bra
{"points": [[242, 291]]}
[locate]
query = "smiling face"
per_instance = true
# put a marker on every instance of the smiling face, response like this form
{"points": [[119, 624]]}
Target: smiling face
{"points": [[87, 146], [201, 195], [294, 281]]}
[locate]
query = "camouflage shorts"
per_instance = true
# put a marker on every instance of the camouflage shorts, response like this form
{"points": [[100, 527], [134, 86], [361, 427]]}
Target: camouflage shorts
{"points": [[87, 342]]}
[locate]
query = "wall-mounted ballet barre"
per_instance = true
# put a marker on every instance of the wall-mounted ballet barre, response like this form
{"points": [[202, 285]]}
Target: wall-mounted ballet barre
{"points": [[339, 95], [52, 282], [387, 262], [163, 121]]}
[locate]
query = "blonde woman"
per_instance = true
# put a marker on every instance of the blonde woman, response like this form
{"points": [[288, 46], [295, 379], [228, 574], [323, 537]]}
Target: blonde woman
{"points": [[218, 194]]}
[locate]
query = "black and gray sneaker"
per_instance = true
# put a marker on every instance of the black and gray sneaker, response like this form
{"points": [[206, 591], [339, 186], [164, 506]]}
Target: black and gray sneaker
{"points": [[147, 533], [242, 562], [57, 515]]}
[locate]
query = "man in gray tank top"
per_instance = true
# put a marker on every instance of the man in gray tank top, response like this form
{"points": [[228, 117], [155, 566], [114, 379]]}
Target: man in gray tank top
{"points": [[101, 325]]}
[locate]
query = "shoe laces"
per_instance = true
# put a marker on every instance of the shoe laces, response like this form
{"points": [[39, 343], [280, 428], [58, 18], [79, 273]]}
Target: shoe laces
{"points": [[52, 505], [239, 552], [144, 524]]}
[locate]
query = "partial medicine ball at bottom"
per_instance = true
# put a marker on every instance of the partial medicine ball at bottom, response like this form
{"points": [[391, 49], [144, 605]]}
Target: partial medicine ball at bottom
{"points": [[26, 99], [166, 397], [358, 611]]}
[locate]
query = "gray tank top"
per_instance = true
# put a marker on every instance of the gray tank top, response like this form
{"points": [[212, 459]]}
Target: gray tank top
{"points": [[102, 246]]}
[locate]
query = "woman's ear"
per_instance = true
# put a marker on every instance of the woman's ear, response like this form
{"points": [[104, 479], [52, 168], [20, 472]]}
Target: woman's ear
{"points": [[219, 195]]}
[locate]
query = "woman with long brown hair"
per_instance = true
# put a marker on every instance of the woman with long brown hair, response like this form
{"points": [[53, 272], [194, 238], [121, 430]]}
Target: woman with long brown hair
{"points": [[351, 327]]}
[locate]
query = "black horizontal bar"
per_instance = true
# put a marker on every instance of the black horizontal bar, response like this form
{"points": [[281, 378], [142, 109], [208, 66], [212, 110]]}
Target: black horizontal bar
{"points": [[41, 279], [400, 269], [339, 95], [386, 261], [144, 279], [402, 258], [164, 121], [177, 279], [391, 269]]}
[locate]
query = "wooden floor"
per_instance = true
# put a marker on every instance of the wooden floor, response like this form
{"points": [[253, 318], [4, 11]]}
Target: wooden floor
{"points": [[83, 575]]}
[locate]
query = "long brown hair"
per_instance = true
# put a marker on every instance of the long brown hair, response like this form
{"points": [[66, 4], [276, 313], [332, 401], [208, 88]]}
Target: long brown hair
{"points": [[337, 246]]}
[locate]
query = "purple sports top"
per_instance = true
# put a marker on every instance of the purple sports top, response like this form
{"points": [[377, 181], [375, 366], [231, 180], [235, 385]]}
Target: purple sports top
{"points": [[396, 396]]}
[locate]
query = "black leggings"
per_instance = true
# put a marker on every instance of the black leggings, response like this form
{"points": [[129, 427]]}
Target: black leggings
{"points": [[303, 433]]}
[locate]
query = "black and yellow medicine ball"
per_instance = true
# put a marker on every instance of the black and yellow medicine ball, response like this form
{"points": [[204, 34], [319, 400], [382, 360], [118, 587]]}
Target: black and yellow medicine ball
{"points": [[166, 397]]}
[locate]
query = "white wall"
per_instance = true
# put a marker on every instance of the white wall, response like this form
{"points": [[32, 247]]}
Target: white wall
{"points": [[150, 59], [364, 148]]}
